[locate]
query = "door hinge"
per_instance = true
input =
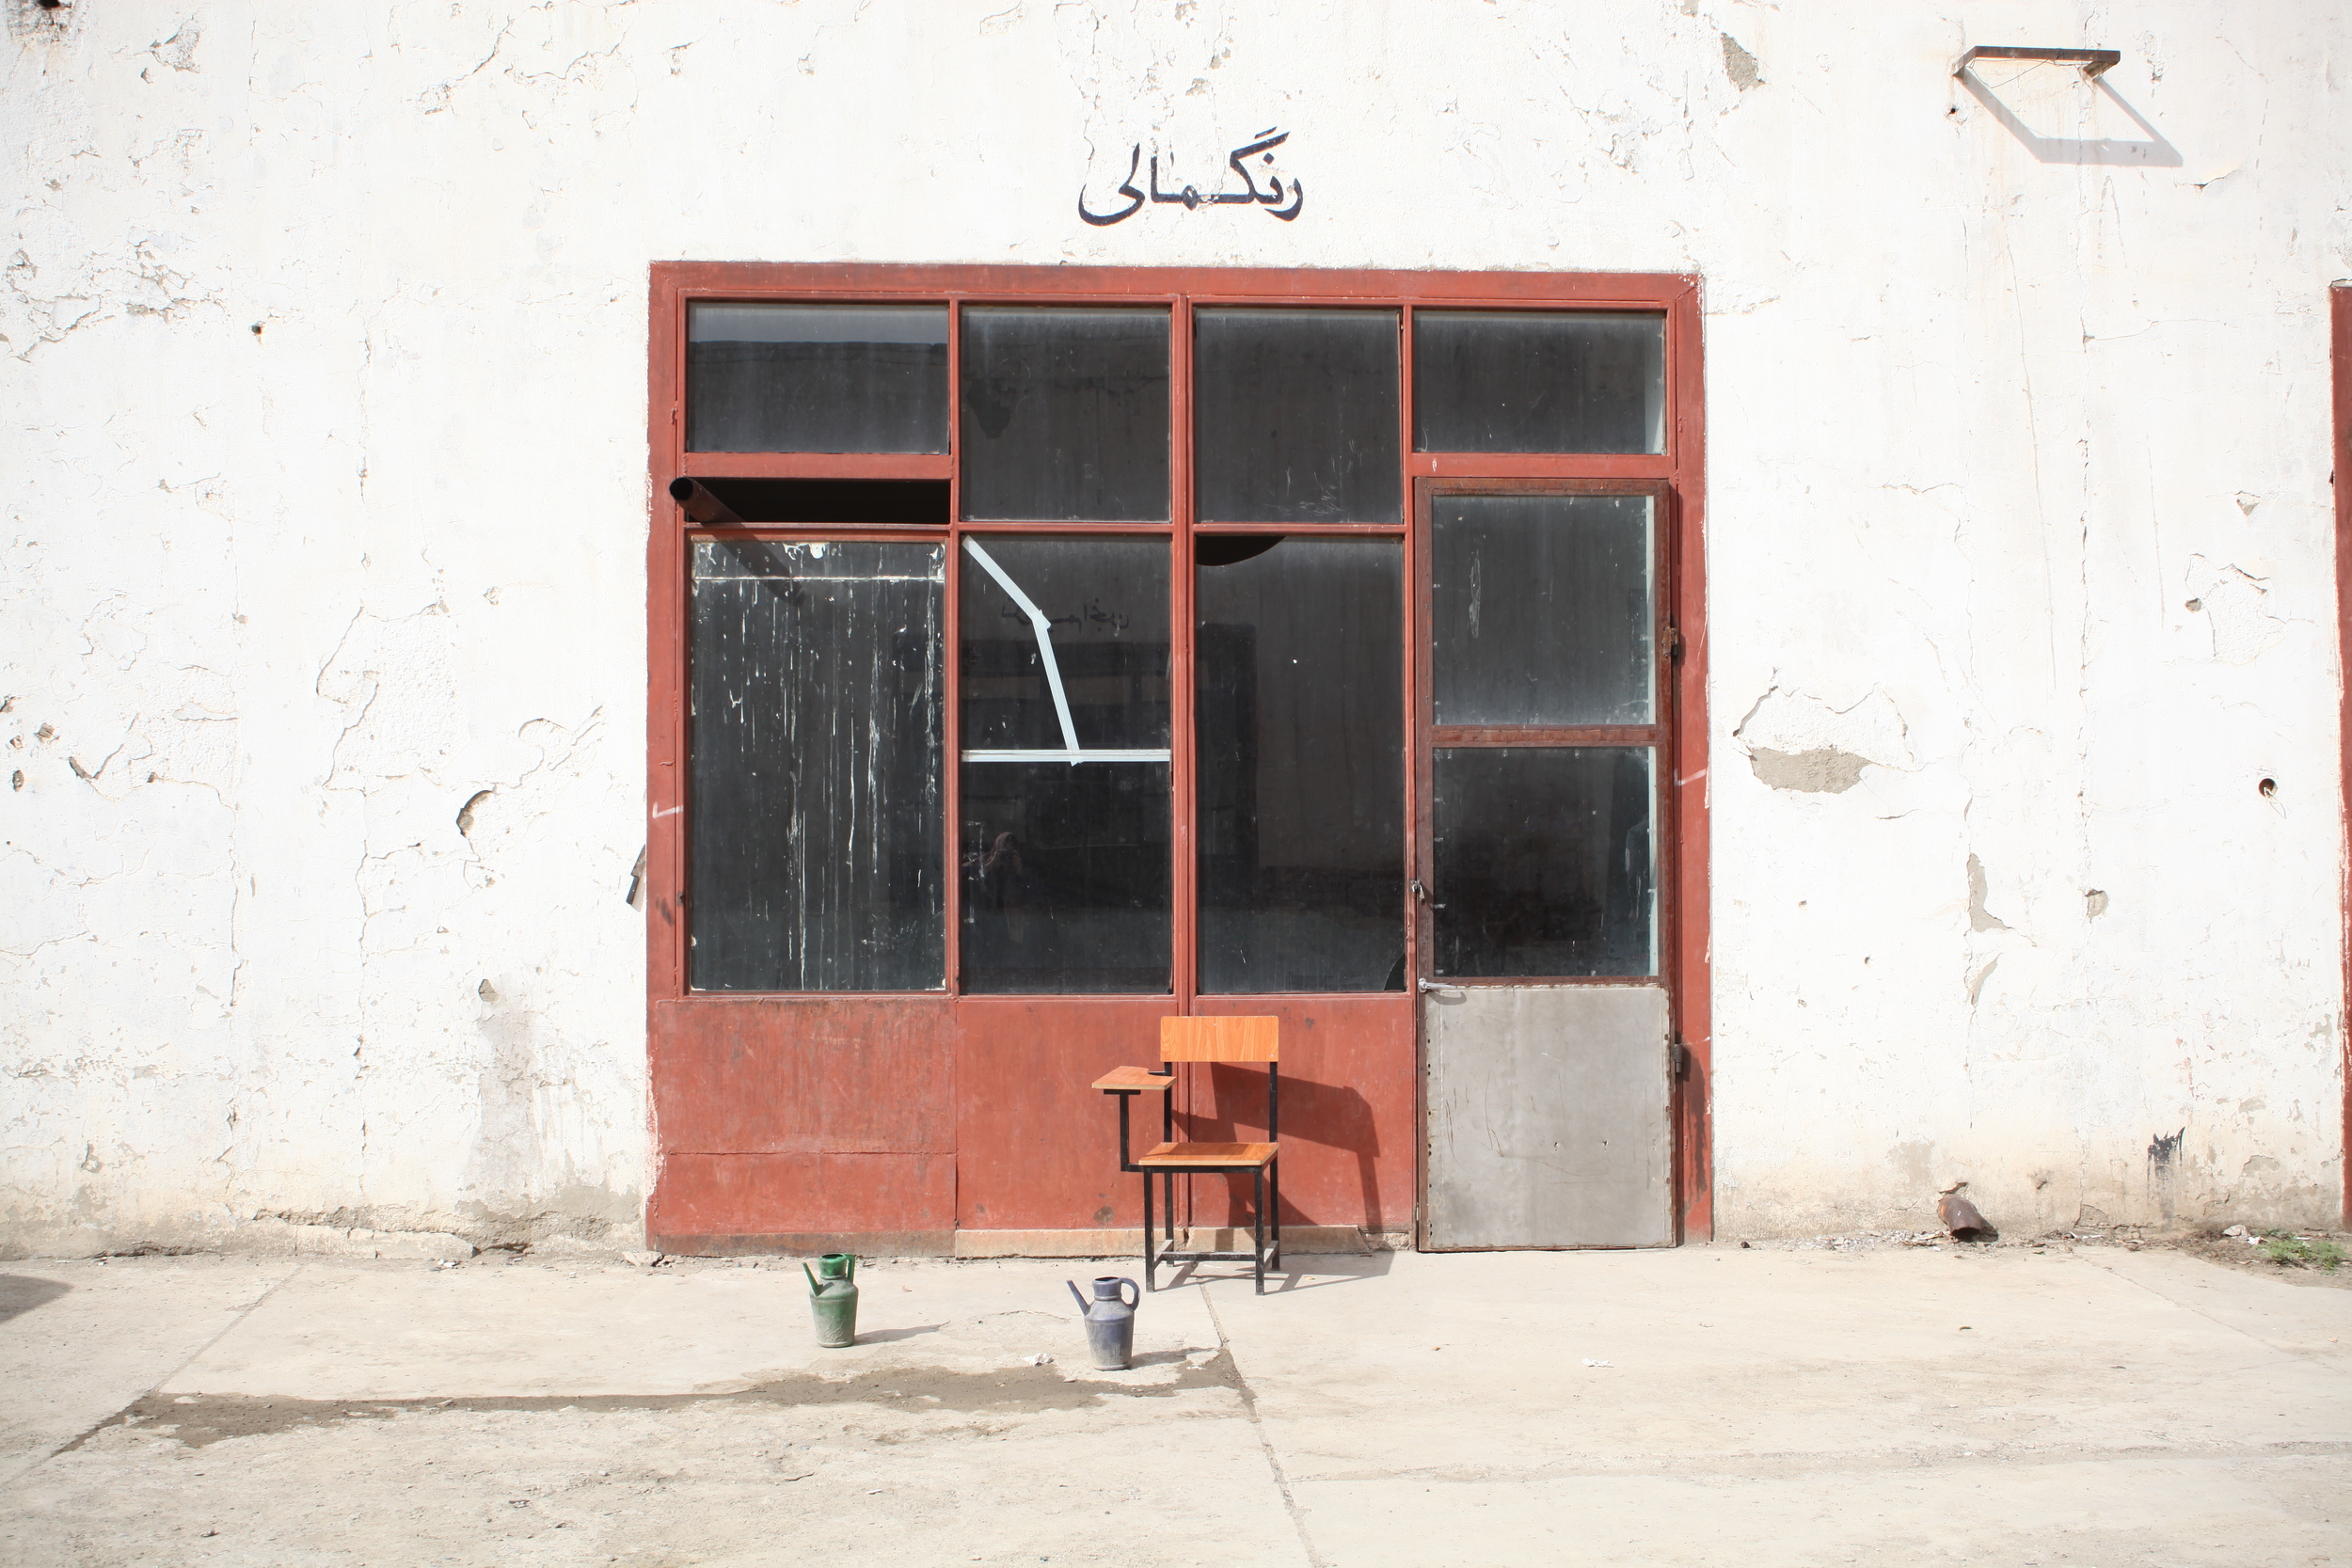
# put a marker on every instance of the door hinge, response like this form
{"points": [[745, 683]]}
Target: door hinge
{"points": [[1680, 1055], [1674, 643], [1420, 894]]}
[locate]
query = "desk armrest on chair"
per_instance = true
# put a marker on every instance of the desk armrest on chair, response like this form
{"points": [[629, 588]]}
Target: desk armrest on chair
{"points": [[1134, 1079]]}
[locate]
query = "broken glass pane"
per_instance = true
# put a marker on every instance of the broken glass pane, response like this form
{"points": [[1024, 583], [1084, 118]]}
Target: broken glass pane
{"points": [[1538, 381], [1542, 862], [1541, 609], [814, 850], [771, 378], [1295, 416], [1065, 414], [1300, 706], [1064, 838]]}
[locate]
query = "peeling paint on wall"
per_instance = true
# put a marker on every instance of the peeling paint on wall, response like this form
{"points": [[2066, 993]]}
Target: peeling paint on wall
{"points": [[1979, 918]]}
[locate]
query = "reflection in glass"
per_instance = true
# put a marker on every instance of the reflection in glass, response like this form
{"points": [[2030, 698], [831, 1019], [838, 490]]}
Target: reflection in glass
{"points": [[1295, 413], [815, 791], [1541, 609], [1538, 381], [772, 377], [1301, 778], [1064, 837], [1542, 862], [1065, 414]]}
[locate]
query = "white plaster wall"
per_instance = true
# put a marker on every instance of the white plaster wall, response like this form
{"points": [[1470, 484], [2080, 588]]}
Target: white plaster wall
{"points": [[1983, 419]]}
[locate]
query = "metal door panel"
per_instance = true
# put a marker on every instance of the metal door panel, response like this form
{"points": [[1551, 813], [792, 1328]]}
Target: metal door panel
{"points": [[1547, 1116]]}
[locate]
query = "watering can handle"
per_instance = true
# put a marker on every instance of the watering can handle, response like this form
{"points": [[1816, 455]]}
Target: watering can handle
{"points": [[1123, 1301], [1074, 1291]]}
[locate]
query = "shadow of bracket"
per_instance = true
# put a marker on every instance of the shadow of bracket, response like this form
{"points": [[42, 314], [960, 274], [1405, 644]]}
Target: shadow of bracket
{"points": [[2153, 152]]}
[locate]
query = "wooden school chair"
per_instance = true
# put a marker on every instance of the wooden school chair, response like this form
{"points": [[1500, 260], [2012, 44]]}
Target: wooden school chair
{"points": [[1205, 1040]]}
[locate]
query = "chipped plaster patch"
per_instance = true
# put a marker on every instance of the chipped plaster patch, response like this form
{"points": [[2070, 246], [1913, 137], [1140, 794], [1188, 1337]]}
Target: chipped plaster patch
{"points": [[1740, 66], [1981, 918], [2237, 609], [1796, 741], [1824, 770]]}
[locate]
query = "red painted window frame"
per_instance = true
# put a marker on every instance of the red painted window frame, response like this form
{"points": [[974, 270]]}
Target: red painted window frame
{"points": [[1679, 471]]}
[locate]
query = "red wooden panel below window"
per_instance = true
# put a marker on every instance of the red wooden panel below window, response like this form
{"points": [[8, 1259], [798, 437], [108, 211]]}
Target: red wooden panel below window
{"points": [[875, 1203], [1037, 1143], [804, 1075]]}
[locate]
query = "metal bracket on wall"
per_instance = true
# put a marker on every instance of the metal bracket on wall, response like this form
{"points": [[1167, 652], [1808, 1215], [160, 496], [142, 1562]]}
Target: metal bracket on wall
{"points": [[2093, 61]]}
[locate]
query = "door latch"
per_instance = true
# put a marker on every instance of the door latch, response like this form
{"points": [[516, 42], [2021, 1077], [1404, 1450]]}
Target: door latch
{"points": [[1428, 986], [1420, 894]]}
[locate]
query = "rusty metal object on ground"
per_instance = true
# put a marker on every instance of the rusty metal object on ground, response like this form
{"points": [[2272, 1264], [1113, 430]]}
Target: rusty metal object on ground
{"points": [[1960, 1218]]}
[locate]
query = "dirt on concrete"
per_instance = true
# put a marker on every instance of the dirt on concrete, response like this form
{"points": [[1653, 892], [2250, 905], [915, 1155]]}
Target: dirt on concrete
{"points": [[199, 1420]]}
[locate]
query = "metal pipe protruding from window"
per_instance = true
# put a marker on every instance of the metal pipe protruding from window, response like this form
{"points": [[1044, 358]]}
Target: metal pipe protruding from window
{"points": [[699, 505]]}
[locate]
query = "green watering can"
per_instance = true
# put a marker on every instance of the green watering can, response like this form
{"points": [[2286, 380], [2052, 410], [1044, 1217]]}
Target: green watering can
{"points": [[832, 1299]]}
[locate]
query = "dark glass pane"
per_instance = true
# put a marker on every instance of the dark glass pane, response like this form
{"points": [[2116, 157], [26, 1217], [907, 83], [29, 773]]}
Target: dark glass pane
{"points": [[1065, 861], [1538, 381], [1295, 413], [1541, 609], [815, 789], [1065, 414], [1542, 862], [1066, 884], [1299, 698], [817, 378]]}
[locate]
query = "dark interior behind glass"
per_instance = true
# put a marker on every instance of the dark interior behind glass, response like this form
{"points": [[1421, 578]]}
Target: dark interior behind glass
{"points": [[1299, 702]]}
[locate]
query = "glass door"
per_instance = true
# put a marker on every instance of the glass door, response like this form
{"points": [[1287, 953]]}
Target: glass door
{"points": [[1544, 748]]}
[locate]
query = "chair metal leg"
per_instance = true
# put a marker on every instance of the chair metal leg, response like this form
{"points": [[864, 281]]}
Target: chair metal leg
{"points": [[1257, 1229], [1274, 1180], [1151, 1248]]}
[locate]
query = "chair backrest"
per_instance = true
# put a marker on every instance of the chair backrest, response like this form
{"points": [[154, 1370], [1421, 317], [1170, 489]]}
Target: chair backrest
{"points": [[1220, 1040]]}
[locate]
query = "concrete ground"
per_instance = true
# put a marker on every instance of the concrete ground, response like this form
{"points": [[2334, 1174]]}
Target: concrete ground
{"points": [[1708, 1405]]}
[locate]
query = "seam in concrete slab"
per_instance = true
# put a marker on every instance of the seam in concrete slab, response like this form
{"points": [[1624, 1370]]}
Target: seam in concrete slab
{"points": [[2191, 1306], [251, 1308], [1249, 1407]]}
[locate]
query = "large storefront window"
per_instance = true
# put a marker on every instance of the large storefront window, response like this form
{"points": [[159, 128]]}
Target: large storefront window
{"points": [[1064, 647]]}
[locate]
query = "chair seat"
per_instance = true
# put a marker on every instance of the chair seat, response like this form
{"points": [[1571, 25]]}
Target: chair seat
{"points": [[1241, 1156]]}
